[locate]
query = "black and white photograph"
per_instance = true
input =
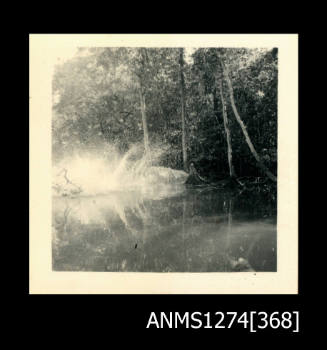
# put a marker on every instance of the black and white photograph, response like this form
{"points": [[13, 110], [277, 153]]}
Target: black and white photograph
{"points": [[165, 159]]}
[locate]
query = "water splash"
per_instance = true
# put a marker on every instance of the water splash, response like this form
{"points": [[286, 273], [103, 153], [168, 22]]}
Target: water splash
{"points": [[103, 172]]}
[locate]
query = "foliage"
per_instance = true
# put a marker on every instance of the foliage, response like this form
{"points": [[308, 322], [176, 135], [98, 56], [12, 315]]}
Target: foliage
{"points": [[96, 102]]}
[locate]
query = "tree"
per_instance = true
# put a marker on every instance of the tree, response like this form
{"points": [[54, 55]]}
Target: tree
{"points": [[142, 77], [182, 85], [227, 131], [242, 125]]}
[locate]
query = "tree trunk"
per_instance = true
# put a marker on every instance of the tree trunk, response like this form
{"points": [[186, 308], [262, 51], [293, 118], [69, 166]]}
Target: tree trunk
{"points": [[144, 122], [194, 178], [142, 79], [243, 127], [228, 137], [182, 86]]}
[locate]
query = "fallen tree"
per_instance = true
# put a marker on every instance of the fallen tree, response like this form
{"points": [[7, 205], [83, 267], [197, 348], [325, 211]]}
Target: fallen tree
{"points": [[64, 186]]}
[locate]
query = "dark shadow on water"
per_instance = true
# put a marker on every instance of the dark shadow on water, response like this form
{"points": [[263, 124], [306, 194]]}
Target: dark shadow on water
{"points": [[189, 230]]}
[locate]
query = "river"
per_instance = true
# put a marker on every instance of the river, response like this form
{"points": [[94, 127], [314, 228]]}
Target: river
{"points": [[171, 229]]}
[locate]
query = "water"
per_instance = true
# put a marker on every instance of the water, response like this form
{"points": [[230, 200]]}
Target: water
{"points": [[104, 172], [168, 228]]}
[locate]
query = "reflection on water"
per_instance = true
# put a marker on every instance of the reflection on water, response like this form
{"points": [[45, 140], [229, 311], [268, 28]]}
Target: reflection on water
{"points": [[170, 229]]}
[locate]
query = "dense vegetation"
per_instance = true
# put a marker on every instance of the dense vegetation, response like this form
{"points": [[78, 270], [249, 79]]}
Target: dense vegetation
{"points": [[214, 107]]}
